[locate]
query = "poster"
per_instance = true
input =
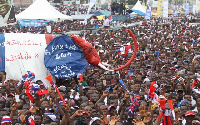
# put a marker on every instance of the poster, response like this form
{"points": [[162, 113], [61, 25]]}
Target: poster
{"points": [[187, 6], [7, 14], [25, 52], [194, 9], [34, 23], [148, 14], [160, 8], [165, 8]]}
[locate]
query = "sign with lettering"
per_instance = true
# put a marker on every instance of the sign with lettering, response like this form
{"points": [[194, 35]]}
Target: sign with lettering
{"points": [[63, 58], [34, 23], [24, 52]]}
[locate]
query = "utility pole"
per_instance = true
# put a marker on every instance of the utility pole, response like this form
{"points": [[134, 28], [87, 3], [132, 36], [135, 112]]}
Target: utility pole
{"points": [[77, 6]]}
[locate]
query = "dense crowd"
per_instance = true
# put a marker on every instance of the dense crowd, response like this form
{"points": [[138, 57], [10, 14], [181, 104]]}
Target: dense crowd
{"points": [[166, 68], [65, 26]]}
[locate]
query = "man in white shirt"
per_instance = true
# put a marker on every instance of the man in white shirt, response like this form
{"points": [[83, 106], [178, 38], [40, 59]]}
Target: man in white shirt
{"points": [[106, 23]]}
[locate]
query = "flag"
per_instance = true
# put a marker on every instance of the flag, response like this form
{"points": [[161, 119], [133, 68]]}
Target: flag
{"points": [[194, 83], [51, 116], [28, 92], [152, 89], [130, 72], [29, 76], [80, 77], [4, 97], [31, 120], [42, 92], [126, 51]]}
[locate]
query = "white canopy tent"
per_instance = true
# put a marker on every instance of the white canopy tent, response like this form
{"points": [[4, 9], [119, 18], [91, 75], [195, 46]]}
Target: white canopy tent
{"points": [[41, 9], [139, 9]]}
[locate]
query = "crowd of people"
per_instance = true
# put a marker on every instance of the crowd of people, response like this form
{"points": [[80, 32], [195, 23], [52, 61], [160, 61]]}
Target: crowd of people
{"points": [[161, 85], [118, 8]]}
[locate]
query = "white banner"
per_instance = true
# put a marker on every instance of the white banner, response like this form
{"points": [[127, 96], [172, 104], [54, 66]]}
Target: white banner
{"points": [[194, 9], [165, 8], [25, 52]]}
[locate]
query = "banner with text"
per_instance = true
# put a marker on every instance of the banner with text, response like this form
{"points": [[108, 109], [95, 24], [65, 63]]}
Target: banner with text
{"points": [[165, 8], [194, 9], [34, 23], [148, 13], [160, 8], [187, 8], [25, 52], [64, 59]]}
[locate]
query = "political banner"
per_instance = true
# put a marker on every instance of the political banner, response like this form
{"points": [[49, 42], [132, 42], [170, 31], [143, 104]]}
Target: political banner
{"points": [[165, 8], [187, 7], [194, 9], [148, 14], [34, 23], [7, 14], [23, 52], [160, 8], [64, 59]]}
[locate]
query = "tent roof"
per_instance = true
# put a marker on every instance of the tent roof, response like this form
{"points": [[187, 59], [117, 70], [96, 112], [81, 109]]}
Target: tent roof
{"points": [[41, 9], [106, 13], [102, 12], [97, 13], [139, 9]]}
